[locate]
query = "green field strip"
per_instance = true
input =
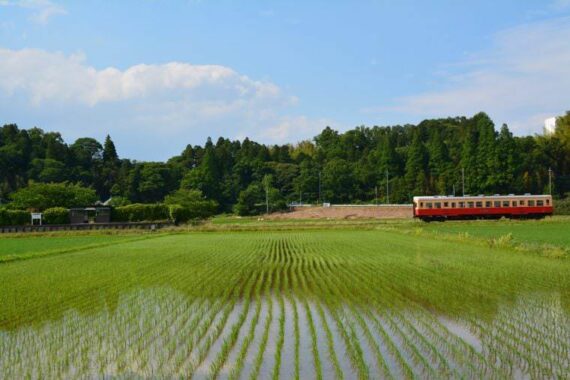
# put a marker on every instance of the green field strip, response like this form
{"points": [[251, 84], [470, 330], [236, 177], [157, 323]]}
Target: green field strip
{"points": [[7, 258]]}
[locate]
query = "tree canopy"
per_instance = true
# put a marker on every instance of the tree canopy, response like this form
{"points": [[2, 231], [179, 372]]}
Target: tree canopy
{"points": [[351, 166]]}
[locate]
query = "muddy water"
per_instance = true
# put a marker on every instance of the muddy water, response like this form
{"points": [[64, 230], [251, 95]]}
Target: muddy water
{"points": [[148, 334]]}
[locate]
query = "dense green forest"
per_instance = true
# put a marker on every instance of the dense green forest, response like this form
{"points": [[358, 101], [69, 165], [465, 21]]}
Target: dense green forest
{"points": [[348, 167]]}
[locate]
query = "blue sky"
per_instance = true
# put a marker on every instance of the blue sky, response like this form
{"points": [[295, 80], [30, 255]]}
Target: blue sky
{"points": [[159, 75]]}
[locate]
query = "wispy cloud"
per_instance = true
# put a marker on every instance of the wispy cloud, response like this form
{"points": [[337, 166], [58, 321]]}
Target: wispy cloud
{"points": [[524, 76], [155, 109], [42, 10]]}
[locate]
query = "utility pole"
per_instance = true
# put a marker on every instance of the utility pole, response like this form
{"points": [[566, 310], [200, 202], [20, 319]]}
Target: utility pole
{"points": [[267, 197], [387, 188], [550, 180], [463, 180], [376, 195]]}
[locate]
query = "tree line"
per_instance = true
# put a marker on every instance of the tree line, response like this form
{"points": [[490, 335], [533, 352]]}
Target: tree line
{"points": [[364, 164]]}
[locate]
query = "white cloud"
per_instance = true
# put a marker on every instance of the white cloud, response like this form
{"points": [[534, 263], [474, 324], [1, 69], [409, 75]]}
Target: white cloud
{"points": [[42, 10], [294, 129], [524, 76], [54, 77], [152, 111]]}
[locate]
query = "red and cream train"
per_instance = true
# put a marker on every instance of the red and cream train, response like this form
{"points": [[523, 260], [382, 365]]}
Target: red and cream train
{"points": [[482, 206]]}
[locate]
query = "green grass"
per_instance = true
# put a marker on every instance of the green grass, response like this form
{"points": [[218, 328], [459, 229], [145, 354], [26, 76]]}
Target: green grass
{"points": [[15, 247], [554, 231], [371, 297]]}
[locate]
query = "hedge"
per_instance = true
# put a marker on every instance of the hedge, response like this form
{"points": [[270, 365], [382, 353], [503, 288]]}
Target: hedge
{"points": [[562, 206], [14, 217], [56, 215], [139, 212]]}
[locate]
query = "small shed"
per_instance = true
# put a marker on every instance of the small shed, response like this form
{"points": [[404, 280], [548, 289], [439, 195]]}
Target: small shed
{"points": [[93, 214]]}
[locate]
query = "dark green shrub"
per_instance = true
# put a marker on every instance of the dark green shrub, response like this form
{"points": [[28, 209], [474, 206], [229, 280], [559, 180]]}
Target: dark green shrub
{"points": [[179, 214], [14, 217], [56, 215], [562, 206], [139, 212]]}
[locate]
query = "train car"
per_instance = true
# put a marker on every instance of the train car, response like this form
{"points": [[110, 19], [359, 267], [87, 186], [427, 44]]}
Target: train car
{"points": [[482, 207]]}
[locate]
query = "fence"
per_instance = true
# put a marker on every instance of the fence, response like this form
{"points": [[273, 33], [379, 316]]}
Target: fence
{"points": [[83, 227]]}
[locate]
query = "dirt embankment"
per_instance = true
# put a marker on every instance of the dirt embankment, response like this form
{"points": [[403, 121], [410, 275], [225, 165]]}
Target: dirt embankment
{"points": [[347, 212]]}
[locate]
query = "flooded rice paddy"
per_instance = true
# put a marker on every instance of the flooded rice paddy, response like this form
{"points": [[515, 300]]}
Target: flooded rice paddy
{"points": [[282, 305]]}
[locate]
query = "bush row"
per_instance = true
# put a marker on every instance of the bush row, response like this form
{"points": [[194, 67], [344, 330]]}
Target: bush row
{"points": [[56, 215], [156, 212], [14, 217]]}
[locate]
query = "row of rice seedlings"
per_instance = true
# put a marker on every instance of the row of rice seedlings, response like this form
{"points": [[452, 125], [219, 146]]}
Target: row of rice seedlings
{"points": [[265, 336], [330, 342], [211, 330], [405, 339], [312, 330], [509, 344], [241, 356], [175, 343], [398, 326], [325, 276], [281, 334], [324, 280], [231, 340], [391, 347], [346, 332], [62, 346], [296, 329], [65, 350], [446, 343], [198, 326], [541, 343]]}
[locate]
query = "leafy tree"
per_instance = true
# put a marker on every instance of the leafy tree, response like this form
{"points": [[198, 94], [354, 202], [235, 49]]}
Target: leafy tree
{"points": [[41, 196], [337, 181], [193, 201], [251, 201], [415, 166]]}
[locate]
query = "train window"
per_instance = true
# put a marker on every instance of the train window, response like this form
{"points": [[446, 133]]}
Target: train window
{"points": [[478, 204], [429, 204], [445, 204], [437, 204], [461, 204], [548, 202], [514, 203], [488, 204], [506, 203], [540, 203], [531, 203], [421, 204], [497, 203], [470, 204], [452, 204], [521, 203]]}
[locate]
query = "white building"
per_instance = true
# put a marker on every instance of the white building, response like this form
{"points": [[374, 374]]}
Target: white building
{"points": [[549, 126]]}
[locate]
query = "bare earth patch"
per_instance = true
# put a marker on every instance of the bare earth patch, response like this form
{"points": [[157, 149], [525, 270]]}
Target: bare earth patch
{"points": [[347, 212]]}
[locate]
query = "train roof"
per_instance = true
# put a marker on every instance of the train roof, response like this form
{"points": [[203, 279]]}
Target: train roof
{"points": [[469, 197]]}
